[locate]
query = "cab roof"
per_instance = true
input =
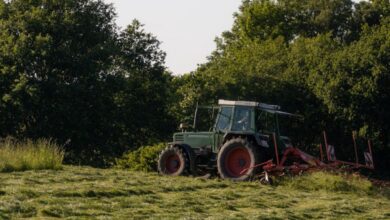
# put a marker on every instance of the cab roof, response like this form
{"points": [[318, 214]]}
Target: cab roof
{"points": [[248, 104]]}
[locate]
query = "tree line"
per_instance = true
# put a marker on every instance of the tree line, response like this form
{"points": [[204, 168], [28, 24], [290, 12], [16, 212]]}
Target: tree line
{"points": [[68, 72]]}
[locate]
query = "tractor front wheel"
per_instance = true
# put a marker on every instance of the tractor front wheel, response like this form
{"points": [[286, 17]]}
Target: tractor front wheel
{"points": [[172, 162], [236, 160]]}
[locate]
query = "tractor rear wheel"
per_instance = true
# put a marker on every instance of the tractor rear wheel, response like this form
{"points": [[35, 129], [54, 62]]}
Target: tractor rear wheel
{"points": [[172, 162], [236, 160]]}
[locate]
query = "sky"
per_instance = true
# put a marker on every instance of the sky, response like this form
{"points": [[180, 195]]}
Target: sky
{"points": [[186, 28]]}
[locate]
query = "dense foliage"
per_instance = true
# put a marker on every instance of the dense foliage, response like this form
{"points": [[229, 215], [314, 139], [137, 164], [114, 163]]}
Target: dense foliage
{"points": [[142, 159], [67, 72]]}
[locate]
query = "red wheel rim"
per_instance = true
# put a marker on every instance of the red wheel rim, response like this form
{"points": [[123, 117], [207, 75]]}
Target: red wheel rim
{"points": [[172, 164], [237, 160]]}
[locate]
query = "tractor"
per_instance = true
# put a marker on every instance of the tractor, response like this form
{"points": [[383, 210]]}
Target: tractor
{"points": [[243, 136]]}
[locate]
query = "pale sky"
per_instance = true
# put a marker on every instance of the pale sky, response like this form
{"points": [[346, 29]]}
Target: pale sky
{"points": [[186, 28]]}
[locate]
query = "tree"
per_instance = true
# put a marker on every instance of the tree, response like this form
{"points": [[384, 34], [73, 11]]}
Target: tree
{"points": [[142, 99], [66, 73], [263, 19]]}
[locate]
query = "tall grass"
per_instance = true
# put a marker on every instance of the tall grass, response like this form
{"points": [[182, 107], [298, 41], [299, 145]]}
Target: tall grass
{"points": [[29, 155]]}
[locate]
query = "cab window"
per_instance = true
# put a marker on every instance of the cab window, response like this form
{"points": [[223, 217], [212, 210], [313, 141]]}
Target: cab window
{"points": [[265, 122], [224, 117]]}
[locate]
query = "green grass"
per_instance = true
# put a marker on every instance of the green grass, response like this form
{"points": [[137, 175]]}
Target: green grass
{"points": [[29, 155], [88, 193], [329, 182]]}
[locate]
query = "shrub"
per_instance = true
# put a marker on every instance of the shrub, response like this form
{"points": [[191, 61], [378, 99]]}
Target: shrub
{"points": [[29, 155], [328, 182], [142, 159]]}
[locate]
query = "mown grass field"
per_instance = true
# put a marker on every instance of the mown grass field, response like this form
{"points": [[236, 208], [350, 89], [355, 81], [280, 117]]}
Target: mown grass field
{"points": [[88, 193]]}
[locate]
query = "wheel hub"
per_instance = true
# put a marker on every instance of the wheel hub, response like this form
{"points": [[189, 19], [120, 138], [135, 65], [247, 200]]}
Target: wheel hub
{"points": [[242, 162], [172, 164]]}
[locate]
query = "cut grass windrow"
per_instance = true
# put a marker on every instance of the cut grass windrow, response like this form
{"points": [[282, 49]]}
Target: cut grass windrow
{"points": [[88, 193]]}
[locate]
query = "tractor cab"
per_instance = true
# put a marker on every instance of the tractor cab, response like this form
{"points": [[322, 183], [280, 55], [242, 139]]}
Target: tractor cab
{"points": [[239, 137], [256, 120]]}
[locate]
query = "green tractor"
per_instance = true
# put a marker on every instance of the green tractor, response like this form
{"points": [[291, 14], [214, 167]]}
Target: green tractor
{"points": [[243, 136]]}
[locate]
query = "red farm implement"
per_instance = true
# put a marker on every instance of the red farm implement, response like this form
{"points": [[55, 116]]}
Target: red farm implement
{"points": [[294, 161]]}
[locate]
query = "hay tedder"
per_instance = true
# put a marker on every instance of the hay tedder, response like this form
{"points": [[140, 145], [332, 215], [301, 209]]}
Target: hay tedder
{"points": [[245, 143]]}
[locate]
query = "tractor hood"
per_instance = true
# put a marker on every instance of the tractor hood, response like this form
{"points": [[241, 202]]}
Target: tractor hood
{"points": [[194, 139]]}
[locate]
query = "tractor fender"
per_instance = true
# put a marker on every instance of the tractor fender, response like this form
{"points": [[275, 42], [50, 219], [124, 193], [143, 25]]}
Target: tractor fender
{"points": [[251, 136], [190, 153]]}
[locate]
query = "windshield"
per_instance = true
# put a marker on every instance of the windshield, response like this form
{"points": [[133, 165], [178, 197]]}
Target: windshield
{"points": [[243, 119]]}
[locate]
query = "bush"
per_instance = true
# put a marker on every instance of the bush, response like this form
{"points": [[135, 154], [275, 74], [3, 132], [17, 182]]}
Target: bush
{"points": [[328, 182], [29, 155], [142, 159]]}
